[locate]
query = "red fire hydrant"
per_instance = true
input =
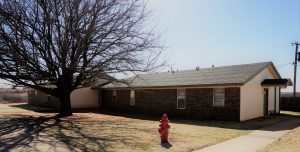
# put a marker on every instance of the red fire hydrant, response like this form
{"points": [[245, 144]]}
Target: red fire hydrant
{"points": [[164, 128]]}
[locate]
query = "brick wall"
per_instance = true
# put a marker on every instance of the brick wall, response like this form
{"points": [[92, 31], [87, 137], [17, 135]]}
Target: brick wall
{"points": [[199, 103]]}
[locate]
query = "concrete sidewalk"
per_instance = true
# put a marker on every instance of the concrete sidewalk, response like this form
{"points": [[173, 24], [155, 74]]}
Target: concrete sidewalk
{"points": [[254, 140]]}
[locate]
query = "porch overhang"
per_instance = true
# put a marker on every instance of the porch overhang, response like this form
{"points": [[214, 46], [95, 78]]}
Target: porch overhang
{"points": [[282, 83]]}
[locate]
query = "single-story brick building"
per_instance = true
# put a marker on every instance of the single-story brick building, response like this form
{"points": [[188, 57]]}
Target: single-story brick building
{"points": [[237, 92], [80, 98]]}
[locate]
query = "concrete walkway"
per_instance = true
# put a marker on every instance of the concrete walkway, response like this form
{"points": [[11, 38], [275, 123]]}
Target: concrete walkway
{"points": [[254, 140]]}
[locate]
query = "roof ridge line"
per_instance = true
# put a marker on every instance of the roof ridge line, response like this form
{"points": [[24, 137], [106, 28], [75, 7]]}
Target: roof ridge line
{"points": [[268, 62]]}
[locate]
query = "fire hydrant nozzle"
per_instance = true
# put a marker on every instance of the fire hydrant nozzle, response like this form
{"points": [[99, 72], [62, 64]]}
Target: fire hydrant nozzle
{"points": [[164, 128]]}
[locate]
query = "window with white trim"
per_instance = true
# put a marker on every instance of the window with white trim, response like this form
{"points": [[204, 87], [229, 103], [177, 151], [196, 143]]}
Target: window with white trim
{"points": [[132, 98], [114, 95], [219, 98], [181, 99]]}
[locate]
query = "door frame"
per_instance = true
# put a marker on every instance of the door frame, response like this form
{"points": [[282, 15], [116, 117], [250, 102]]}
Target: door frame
{"points": [[104, 98], [266, 101]]}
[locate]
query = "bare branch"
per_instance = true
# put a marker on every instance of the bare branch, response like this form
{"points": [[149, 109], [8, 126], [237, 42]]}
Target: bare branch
{"points": [[71, 43]]}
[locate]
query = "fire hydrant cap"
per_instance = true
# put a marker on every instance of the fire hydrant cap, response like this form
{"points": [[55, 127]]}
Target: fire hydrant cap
{"points": [[165, 118]]}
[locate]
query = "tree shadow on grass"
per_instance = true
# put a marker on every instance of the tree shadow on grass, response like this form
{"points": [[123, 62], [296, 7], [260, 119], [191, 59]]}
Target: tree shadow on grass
{"points": [[15, 133], [50, 134]]}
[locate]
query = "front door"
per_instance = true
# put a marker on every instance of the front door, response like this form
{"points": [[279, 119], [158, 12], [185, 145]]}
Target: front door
{"points": [[266, 98], [104, 98]]}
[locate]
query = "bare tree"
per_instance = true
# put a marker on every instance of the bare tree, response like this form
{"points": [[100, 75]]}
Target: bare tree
{"points": [[70, 43]]}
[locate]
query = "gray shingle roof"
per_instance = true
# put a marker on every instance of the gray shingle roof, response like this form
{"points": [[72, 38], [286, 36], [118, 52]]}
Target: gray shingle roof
{"points": [[217, 76]]}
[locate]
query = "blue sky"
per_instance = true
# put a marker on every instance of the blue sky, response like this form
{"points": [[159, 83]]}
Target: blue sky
{"points": [[225, 32]]}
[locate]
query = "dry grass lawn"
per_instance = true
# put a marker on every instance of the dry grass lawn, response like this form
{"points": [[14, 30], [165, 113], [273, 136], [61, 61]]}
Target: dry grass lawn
{"points": [[289, 142], [20, 108], [127, 134], [103, 132]]}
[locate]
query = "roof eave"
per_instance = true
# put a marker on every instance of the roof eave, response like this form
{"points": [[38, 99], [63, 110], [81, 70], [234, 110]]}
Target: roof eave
{"points": [[260, 70], [178, 86], [275, 70], [99, 86]]}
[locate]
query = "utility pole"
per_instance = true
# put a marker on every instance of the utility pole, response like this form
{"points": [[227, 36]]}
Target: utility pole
{"points": [[295, 67]]}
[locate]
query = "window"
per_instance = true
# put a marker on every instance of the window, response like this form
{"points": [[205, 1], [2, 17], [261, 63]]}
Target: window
{"points": [[132, 98], [114, 95], [181, 101], [219, 98]]}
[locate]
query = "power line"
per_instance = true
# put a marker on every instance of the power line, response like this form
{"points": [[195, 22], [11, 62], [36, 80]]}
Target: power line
{"points": [[281, 65]]}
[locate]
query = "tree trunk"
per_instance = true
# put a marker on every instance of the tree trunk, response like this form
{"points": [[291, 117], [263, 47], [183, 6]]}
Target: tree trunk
{"points": [[65, 104]]}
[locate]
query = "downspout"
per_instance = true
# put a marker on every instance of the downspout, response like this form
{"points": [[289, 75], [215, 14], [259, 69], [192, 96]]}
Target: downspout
{"points": [[279, 100], [275, 101]]}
